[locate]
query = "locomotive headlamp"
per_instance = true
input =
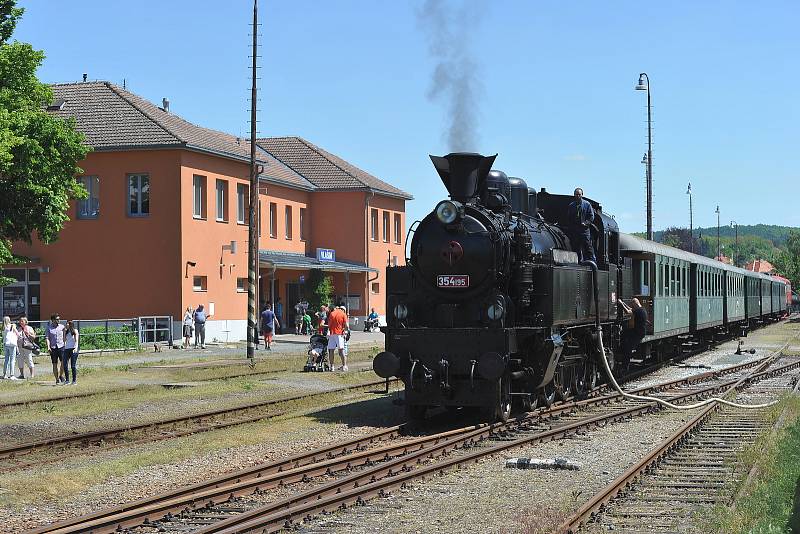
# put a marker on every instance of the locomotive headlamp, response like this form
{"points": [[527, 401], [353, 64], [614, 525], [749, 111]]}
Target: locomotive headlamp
{"points": [[449, 211], [495, 311], [401, 311]]}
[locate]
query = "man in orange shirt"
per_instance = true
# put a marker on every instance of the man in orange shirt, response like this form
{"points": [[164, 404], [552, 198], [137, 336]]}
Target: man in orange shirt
{"points": [[337, 326]]}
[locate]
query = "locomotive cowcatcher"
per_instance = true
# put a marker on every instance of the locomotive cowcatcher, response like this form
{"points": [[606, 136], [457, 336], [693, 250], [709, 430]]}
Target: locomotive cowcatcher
{"points": [[493, 306]]}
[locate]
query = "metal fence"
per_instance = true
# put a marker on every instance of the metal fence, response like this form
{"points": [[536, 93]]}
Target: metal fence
{"points": [[116, 334]]}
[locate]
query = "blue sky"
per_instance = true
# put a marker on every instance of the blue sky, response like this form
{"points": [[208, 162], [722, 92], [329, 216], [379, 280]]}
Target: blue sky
{"points": [[556, 97]]}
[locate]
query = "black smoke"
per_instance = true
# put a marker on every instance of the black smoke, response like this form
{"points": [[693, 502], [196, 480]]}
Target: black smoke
{"points": [[455, 81]]}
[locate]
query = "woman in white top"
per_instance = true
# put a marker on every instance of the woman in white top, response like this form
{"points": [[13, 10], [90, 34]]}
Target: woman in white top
{"points": [[188, 321], [10, 338], [70, 353], [25, 356]]}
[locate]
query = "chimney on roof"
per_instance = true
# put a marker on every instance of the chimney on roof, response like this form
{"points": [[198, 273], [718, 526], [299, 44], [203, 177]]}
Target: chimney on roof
{"points": [[85, 76], [165, 104]]}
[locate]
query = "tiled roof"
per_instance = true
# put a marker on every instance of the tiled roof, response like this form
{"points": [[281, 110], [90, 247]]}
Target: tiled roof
{"points": [[112, 118], [323, 169]]}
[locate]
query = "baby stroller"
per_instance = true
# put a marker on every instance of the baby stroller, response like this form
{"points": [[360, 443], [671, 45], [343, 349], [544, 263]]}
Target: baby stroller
{"points": [[318, 354]]}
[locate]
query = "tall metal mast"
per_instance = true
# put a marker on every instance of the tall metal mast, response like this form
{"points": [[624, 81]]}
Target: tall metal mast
{"points": [[252, 248]]}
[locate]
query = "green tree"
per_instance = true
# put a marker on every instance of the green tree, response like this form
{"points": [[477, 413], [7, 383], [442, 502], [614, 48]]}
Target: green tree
{"points": [[38, 151], [320, 289], [787, 262]]}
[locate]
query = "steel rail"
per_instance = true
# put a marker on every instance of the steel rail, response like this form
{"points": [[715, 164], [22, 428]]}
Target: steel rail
{"points": [[258, 477], [87, 438], [396, 473], [601, 498]]}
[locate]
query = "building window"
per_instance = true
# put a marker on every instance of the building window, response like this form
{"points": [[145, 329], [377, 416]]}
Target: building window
{"points": [[259, 218], [241, 285], [89, 208], [200, 283], [138, 195], [288, 226], [398, 232], [273, 220], [386, 227], [375, 287], [199, 183], [303, 231], [222, 200], [374, 224], [242, 204]]}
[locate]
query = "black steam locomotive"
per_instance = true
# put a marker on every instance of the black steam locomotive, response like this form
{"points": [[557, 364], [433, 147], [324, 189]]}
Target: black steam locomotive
{"points": [[493, 307]]}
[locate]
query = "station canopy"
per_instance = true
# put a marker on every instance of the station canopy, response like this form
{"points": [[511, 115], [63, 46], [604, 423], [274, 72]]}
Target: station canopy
{"points": [[300, 262]]}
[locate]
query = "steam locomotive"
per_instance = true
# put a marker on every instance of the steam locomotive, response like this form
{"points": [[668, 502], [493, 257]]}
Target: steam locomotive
{"points": [[493, 308]]}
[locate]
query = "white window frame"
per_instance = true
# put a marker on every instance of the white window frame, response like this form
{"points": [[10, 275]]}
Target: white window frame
{"points": [[242, 203], [221, 188], [84, 207], [198, 196], [137, 184], [199, 283]]}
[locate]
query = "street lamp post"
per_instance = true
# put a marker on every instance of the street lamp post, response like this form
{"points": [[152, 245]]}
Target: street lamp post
{"points": [[718, 249], [691, 231], [642, 86], [735, 226]]}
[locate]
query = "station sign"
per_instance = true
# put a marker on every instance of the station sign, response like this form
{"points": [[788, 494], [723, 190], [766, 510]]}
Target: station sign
{"points": [[326, 254]]}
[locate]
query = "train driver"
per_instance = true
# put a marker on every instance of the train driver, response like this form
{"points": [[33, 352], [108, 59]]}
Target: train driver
{"points": [[635, 331], [580, 216]]}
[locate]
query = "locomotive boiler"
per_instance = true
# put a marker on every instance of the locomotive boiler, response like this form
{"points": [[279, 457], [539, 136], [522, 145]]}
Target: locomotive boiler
{"points": [[492, 307]]}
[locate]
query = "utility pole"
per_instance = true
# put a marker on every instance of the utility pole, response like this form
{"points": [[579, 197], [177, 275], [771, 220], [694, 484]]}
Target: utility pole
{"points": [[691, 231], [642, 86], [718, 248], [252, 248]]}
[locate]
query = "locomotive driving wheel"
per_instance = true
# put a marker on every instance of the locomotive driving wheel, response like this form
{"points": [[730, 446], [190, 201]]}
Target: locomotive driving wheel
{"points": [[562, 381], [584, 377], [501, 410], [547, 394]]}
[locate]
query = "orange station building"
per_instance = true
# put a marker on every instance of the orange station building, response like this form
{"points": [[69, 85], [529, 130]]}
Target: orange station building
{"points": [[165, 226]]}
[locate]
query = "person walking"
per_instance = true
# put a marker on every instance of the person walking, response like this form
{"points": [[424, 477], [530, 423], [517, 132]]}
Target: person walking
{"points": [[69, 357], [55, 346], [200, 319], [337, 326], [187, 327], [10, 341], [26, 344], [269, 323]]}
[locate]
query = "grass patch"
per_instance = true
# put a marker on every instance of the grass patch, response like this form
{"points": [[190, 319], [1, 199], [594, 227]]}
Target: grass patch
{"points": [[60, 485], [768, 504]]}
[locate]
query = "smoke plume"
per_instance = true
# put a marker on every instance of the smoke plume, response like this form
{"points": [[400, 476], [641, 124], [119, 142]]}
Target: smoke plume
{"points": [[455, 82]]}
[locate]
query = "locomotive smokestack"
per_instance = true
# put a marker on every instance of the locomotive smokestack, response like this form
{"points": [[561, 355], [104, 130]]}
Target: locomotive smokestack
{"points": [[463, 173]]}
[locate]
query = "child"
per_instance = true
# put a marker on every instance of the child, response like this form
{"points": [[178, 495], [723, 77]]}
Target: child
{"points": [[306, 323]]}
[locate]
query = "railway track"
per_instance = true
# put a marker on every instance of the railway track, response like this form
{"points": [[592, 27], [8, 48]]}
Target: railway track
{"points": [[61, 398], [368, 467], [30, 453], [686, 474]]}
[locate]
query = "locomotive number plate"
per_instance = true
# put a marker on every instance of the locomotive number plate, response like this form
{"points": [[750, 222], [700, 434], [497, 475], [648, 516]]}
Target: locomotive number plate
{"points": [[452, 280]]}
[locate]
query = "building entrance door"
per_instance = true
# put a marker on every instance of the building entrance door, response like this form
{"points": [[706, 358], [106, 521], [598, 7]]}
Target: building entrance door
{"points": [[294, 294]]}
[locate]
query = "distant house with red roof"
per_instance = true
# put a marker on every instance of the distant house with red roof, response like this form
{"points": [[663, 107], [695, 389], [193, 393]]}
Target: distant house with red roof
{"points": [[760, 266]]}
